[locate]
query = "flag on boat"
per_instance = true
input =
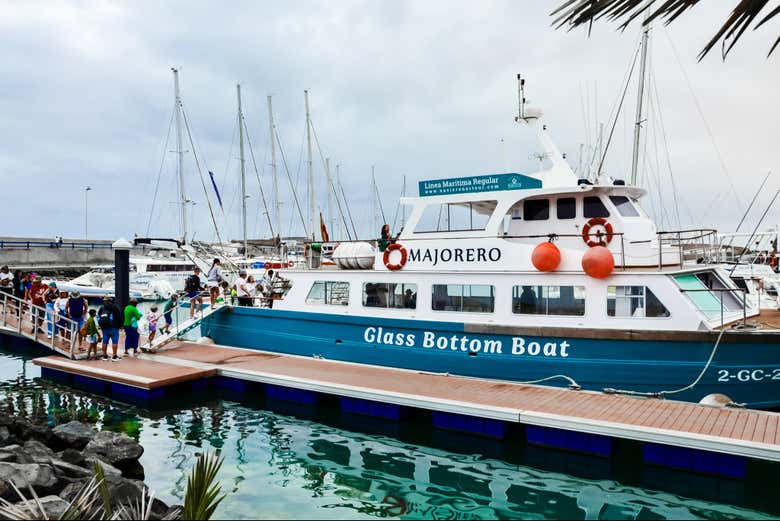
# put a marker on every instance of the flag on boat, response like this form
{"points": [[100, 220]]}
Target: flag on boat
{"points": [[324, 230], [214, 184]]}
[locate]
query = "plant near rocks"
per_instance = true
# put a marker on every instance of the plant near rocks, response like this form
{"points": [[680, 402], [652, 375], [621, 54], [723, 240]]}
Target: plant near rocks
{"points": [[93, 501]]}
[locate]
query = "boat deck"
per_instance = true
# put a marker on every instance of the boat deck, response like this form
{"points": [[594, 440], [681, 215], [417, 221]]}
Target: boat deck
{"points": [[726, 430]]}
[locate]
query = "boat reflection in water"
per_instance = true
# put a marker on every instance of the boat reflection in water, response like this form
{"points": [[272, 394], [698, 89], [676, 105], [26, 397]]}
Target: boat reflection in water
{"points": [[279, 466]]}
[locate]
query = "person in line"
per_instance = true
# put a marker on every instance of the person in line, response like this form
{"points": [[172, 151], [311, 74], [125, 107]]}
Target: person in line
{"points": [[110, 320], [242, 291], [213, 280], [251, 288], [193, 287], [92, 335], [268, 283], [19, 282], [50, 298], [132, 315], [152, 317], [170, 305], [773, 261], [37, 294], [76, 310], [6, 282], [61, 312]]}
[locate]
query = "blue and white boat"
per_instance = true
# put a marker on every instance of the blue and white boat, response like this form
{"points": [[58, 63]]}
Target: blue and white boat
{"points": [[459, 292]]}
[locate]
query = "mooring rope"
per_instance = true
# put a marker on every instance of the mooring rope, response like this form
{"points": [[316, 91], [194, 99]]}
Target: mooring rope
{"points": [[662, 394]]}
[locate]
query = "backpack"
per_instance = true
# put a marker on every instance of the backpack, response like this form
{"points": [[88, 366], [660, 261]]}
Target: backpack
{"points": [[192, 284], [105, 319]]}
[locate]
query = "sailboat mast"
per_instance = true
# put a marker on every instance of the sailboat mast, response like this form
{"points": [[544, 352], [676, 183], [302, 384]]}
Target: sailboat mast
{"points": [[277, 202], [340, 220], [330, 194], [312, 208], [639, 103], [403, 206], [243, 172], [180, 157]]}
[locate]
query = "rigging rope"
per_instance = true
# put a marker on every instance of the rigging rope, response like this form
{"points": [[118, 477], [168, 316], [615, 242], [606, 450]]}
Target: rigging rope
{"points": [[292, 186], [257, 174], [332, 188], [200, 173], [159, 173], [617, 114]]}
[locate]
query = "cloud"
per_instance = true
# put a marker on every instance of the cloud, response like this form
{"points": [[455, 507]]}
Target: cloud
{"points": [[421, 89]]}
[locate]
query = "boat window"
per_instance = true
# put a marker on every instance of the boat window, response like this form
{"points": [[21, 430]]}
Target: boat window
{"points": [[709, 294], [567, 208], [771, 291], [594, 207], [536, 210], [463, 297], [329, 292], [451, 217], [548, 300], [624, 206], [634, 301], [169, 267], [389, 295]]}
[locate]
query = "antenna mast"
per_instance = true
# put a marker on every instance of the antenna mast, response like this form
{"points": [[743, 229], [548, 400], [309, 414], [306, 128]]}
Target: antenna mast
{"points": [[373, 203], [277, 202], [640, 102], [312, 208], [339, 221], [180, 157]]}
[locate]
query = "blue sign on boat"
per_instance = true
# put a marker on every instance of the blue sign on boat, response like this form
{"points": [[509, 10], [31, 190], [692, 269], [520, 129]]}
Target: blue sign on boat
{"points": [[480, 183]]}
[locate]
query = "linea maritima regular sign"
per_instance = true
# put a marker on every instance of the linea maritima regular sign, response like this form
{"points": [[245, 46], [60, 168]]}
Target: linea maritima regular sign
{"points": [[481, 183]]}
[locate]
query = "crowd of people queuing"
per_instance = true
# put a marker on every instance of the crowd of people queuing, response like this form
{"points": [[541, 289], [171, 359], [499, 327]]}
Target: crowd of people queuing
{"points": [[61, 314]]}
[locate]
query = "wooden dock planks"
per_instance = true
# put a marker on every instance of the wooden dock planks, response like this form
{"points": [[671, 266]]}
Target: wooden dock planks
{"points": [[743, 432], [143, 374]]}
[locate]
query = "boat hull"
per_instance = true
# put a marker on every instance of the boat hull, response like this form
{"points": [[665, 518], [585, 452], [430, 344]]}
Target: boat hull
{"points": [[745, 368]]}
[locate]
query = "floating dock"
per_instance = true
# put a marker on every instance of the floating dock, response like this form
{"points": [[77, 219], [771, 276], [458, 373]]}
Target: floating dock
{"points": [[683, 435]]}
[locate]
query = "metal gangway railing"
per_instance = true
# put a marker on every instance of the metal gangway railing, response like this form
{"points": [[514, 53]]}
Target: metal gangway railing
{"points": [[43, 326], [180, 327]]}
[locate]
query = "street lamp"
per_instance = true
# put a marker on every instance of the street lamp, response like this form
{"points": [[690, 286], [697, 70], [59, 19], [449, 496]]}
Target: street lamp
{"points": [[86, 217]]}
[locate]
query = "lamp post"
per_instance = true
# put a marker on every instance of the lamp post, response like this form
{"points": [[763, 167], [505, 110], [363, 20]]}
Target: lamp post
{"points": [[86, 218]]}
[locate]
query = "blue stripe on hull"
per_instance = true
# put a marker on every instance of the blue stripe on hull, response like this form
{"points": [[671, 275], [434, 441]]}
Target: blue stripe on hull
{"points": [[747, 373]]}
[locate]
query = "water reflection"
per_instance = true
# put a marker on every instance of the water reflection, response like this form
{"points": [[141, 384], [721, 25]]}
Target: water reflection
{"points": [[278, 466]]}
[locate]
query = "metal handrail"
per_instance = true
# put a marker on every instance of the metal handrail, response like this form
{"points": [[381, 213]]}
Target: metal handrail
{"points": [[35, 312], [55, 244]]}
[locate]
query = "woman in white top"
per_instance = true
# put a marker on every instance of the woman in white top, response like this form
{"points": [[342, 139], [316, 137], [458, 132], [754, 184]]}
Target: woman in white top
{"points": [[213, 279]]}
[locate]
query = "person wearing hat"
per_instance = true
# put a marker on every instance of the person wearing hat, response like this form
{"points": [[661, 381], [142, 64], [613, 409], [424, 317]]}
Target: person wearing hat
{"points": [[109, 321], [76, 309]]}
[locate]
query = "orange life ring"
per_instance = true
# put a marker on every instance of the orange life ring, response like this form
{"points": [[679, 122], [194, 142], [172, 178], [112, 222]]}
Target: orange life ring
{"points": [[597, 221], [391, 248]]}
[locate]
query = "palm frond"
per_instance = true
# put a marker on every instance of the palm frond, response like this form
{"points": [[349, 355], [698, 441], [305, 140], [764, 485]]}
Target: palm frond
{"points": [[203, 494], [25, 509], [576, 13]]}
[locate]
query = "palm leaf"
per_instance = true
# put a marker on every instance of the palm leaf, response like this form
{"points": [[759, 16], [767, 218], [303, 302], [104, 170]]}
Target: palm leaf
{"points": [[203, 494], [576, 13]]}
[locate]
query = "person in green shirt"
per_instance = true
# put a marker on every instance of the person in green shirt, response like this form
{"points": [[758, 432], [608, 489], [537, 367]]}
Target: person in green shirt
{"points": [[167, 310], [131, 327]]}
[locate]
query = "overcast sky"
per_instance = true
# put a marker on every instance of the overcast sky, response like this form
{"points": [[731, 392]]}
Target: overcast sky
{"points": [[424, 89]]}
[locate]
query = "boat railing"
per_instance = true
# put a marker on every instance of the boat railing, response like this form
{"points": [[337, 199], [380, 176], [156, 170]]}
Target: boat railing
{"points": [[720, 291], [699, 245], [601, 237], [30, 321], [182, 327]]}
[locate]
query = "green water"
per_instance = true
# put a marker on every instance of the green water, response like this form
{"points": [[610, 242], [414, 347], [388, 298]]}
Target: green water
{"points": [[283, 466]]}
